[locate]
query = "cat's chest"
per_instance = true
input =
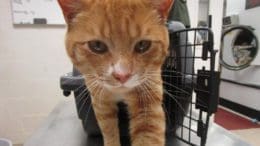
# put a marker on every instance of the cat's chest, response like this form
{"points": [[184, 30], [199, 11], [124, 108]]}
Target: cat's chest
{"points": [[119, 97]]}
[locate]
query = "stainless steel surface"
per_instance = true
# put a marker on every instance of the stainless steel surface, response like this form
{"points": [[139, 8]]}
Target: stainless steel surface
{"points": [[62, 128]]}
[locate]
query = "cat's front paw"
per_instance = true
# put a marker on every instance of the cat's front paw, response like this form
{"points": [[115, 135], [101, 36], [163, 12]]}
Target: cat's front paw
{"points": [[148, 142], [112, 144]]}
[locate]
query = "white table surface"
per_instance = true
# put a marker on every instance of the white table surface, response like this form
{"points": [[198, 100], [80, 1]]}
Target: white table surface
{"points": [[63, 128]]}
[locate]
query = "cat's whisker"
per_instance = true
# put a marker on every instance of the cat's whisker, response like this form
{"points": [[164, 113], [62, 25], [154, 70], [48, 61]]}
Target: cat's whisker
{"points": [[86, 99], [69, 81], [183, 98], [83, 104], [87, 114], [162, 75], [189, 94], [189, 87], [88, 75], [84, 92], [166, 111], [178, 97], [183, 91], [100, 96], [79, 87], [172, 71], [72, 81], [143, 101], [172, 97], [189, 100], [98, 89], [143, 79], [140, 99], [93, 79], [89, 87], [86, 117], [81, 95], [157, 82], [150, 92], [177, 88], [148, 84], [163, 106]]}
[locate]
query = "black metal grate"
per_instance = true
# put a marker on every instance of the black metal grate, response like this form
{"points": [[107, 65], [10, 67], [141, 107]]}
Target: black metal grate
{"points": [[190, 85]]}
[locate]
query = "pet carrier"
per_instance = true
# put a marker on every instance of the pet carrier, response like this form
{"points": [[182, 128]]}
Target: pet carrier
{"points": [[190, 91]]}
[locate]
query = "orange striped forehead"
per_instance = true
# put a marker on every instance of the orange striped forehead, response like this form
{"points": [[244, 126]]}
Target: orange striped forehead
{"points": [[119, 22]]}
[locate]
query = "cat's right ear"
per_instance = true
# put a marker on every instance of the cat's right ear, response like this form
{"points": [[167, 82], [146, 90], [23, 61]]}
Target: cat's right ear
{"points": [[70, 8]]}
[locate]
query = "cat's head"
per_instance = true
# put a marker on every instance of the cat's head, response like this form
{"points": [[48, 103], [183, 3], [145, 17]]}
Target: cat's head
{"points": [[117, 43]]}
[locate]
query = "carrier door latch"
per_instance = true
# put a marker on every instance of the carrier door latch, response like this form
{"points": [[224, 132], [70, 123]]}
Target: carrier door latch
{"points": [[207, 90]]}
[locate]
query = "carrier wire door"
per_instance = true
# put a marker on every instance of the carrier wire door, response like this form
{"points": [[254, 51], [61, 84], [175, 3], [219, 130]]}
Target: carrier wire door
{"points": [[191, 85]]}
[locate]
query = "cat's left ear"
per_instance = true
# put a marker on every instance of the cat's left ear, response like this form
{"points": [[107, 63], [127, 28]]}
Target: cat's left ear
{"points": [[69, 8], [163, 7]]}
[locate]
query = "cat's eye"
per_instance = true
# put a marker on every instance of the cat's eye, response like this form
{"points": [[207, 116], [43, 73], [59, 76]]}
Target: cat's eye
{"points": [[97, 46], [143, 46]]}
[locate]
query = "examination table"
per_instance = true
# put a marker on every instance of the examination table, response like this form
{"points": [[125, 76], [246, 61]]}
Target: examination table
{"points": [[63, 128]]}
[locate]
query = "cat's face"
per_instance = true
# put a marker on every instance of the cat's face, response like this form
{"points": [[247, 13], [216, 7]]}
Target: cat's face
{"points": [[117, 43]]}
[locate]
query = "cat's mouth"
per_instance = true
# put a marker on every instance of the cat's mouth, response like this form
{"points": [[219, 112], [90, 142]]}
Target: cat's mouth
{"points": [[113, 86], [128, 85], [120, 88]]}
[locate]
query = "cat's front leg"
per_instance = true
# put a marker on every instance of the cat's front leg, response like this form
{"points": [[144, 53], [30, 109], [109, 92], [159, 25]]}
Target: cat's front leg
{"points": [[147, 125], [106, 114]]}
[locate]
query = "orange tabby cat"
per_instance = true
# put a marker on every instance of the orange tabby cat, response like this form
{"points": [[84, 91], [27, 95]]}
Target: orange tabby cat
{"points": [[119, 46]]}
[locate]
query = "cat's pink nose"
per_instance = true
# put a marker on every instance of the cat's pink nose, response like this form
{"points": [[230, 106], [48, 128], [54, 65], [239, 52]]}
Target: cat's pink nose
{"points": [[121, 77]]}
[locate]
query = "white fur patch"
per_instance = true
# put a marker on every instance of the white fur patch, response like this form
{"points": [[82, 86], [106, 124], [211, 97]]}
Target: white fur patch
{"points": [[119, 68], [109, 71], [132, 82]]}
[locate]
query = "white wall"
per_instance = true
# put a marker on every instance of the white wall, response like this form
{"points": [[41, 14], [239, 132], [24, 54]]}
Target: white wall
{"points": [[203, 10], [193, 7], [235, 7], [32, 60], [216, 10]]}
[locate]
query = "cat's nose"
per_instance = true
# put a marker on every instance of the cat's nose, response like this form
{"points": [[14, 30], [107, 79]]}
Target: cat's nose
{"points": [[121, 77]]}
